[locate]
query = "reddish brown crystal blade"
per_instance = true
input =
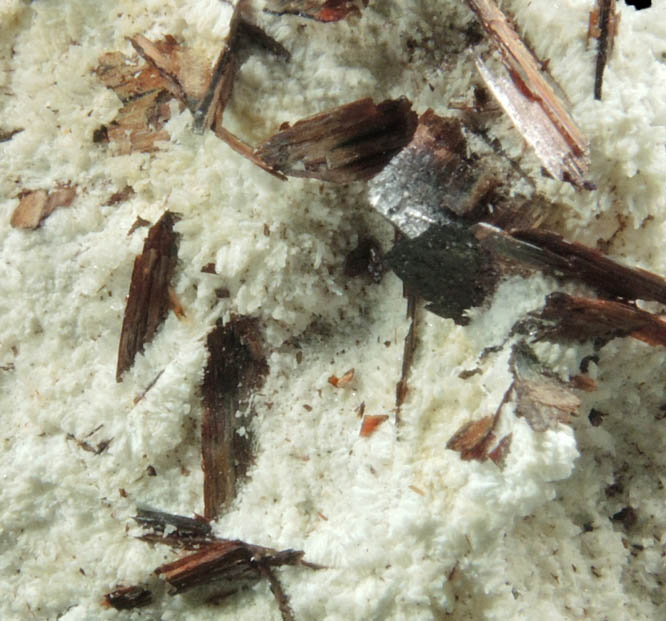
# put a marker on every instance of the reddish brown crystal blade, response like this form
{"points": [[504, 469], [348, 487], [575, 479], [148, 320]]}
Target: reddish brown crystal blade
{"points": [[531, 103], [235, 367], [148, 298], [349, 143]]}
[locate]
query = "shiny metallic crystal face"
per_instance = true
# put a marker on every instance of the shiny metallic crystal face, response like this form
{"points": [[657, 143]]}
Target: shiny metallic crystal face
{"points": [[409, 194], [435, 179]]}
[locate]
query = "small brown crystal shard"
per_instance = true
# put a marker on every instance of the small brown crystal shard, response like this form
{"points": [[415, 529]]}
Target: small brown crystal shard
{"points": [[210, 107], [148, 298], [161, 54], [176, 305], [476, 440], [126, 598], [569, 318], [370, 423], [499, 453], [208, 110], [319, 10], [582, 382], [531, 103], [203, 90], [278, 592], [186, 74], [597, 269], [244, 149], [253, 35], [603, 25], [61, 197], [467, 373], [472, 440], [235, 367], [341, 382], [145, 93], [349, 143], [86, 446], [224, 560], [174, 71], [627, 516], [140, 123], [37, 205], [147, 389], [7, 134], [126, 77], [550, 251], [541, 397], [234, 564], [408, 349], [519, 212], [174, 530], [120, 196], [137, 224], [206, 91]]}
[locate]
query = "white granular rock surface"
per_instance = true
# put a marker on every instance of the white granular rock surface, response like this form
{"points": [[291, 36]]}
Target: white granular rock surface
{"points": [[405, 529]]}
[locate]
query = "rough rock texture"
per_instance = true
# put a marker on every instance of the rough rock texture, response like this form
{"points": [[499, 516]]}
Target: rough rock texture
{"points": [[573, 525]]}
